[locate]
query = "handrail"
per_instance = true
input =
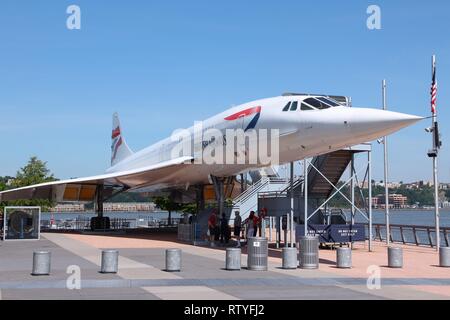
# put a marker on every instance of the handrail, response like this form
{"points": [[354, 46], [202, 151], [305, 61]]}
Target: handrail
{"points": [[249, 194], [410, 234], [257, 186], [250, 189]]}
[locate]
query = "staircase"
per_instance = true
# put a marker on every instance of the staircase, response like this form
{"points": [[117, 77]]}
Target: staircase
{"points": [[248, 200], [332, 166], [274, 192]]}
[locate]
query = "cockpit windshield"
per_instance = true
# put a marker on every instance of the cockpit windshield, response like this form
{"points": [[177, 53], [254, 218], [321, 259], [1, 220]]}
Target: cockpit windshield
{"points": [[321, 103], [329, 101], [317, 103]]}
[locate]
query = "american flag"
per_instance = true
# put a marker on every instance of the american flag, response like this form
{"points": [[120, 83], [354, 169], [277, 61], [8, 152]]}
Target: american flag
{"points": [[433, 91]]}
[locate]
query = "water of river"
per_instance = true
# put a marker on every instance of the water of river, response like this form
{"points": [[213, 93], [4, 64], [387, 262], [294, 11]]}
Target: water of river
{"points": [[408, 217]]}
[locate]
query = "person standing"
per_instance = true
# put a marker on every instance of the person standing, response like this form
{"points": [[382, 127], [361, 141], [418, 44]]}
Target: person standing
{"points": [[212, 222], [255, 225], [224, 229], [237, 228], [251, 225], [262, 216]]}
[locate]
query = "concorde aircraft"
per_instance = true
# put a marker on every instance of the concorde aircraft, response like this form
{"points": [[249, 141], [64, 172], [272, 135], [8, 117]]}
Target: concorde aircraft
{"points": [[308, 125]]}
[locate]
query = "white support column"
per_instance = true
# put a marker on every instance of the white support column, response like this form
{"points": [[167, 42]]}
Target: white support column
{"points": [[270, 229], [369, 179], [352, 188], [279, 230], [292, 206], [286, 242], [305, 191]]}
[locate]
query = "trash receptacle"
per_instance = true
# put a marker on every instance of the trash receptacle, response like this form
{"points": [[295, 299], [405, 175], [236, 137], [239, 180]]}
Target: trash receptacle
{"points": [[309, 252], [257, 254]]}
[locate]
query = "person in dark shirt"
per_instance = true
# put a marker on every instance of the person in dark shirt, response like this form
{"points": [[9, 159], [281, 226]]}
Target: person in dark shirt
{"points": [[224, 230], [237, 228]]}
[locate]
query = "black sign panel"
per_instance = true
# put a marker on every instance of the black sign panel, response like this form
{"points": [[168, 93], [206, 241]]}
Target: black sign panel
{"points": [[334, 233]]}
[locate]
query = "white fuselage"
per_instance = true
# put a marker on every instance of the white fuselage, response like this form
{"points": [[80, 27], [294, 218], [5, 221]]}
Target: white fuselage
{"points": [[303, 134]]}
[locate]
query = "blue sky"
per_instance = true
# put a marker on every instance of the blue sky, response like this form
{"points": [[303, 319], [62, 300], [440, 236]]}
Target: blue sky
{"points": [[164, 64]]}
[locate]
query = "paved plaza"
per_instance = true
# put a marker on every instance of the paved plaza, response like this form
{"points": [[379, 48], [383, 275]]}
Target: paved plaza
{"points": [[203, 276]]}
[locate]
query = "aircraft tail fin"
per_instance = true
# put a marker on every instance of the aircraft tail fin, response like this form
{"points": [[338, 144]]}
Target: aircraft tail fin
{"points": [[119, 147]]}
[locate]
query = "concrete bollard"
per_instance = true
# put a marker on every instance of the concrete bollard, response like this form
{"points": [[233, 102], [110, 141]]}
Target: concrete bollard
{"points": [[343, 258], [233, 259], [289, 258], [173, 260], [395, 257], [41, 263], [110, 261], [444, 257]]}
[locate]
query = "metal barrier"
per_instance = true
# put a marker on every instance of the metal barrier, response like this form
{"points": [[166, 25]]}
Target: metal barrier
{"points": [[411, 234], [84, 223], [190, 232]]}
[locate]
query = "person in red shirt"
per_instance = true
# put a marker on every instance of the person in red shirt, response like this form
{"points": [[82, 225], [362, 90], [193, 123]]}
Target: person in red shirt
{"points": [[255, 225], [262, 216], [250, 224], [212, 223]]}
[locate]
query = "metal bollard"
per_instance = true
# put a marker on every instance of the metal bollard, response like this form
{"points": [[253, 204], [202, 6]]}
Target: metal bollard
{"points": [[395, 257], [289, 256], [173, 260], [344, 258], [41, 263], [444, 256], [233, 259], [110, 261]]}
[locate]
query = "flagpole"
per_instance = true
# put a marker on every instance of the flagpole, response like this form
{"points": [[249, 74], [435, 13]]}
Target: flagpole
{"points": [[434, 151], [386, 188]]}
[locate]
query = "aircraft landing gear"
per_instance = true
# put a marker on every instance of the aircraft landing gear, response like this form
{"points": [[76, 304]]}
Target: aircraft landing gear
{"points": [[220, 185], [99, 222]]}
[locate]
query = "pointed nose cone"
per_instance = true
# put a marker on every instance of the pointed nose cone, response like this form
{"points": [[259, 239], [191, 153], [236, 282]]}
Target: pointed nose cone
{"points": [[374, 123]]}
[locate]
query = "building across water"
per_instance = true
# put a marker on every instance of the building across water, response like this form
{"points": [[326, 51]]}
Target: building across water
{"points": [[397, 201]]}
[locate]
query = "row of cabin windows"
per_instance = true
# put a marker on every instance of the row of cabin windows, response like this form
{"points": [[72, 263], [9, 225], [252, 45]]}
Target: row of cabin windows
{"points": [[311, 104]]}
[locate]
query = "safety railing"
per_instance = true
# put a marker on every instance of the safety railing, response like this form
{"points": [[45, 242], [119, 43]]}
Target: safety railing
{"points": [[258, 186], [84, 223], [191, 232], [410, 234], [248, 200]]}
